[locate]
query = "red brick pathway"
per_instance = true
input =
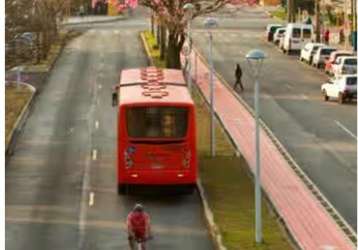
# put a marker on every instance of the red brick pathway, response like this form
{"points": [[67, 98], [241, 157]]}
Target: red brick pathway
{"points": [[306, 219]]}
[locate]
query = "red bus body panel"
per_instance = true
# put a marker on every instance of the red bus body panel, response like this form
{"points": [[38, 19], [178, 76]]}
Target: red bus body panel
{"points": [[155, 161]]}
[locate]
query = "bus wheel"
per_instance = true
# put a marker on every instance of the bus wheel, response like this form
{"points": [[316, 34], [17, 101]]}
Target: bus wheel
{"points": [[121, 189]]}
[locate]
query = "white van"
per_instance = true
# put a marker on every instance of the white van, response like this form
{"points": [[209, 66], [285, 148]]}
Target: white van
{"points": [[296, 36]]}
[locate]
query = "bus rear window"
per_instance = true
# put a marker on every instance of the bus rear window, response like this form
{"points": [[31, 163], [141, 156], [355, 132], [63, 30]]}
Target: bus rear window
{"points": [[157, 122]]}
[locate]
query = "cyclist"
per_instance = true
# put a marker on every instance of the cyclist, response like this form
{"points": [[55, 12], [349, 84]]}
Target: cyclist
{"points": [[138, 224]]}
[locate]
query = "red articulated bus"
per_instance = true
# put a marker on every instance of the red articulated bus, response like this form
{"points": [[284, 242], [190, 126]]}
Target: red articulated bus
{"points": [[156, 133]]}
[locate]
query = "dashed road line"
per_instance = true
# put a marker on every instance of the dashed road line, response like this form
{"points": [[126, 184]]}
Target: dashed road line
{"points": [[99, 86], [94, 154], [91, 199], [345, 129], [96, 124]]}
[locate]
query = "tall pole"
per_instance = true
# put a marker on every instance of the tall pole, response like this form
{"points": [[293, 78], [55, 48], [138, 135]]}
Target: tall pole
{"points": [[189, 56], [212, 125], [346, 21], [258, 223]]}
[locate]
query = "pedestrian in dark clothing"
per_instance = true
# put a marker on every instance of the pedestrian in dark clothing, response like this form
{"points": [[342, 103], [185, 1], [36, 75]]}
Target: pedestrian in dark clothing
{"points": [[326, 36], [238, 75]]}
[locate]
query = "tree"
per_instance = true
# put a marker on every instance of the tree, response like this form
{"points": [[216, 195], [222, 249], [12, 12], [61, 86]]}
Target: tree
{"points": [[172, 16]]}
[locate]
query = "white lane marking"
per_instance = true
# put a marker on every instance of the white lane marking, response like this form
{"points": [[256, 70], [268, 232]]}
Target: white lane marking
{"points": [[288, 86], [99, 86], [345, 129], [96, 124], [116, 32], [71, 130], [94, 154], [304, 97], [91, 199]]}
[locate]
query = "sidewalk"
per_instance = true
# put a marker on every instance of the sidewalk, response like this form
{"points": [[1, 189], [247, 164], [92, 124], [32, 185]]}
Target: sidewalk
{"points": [[305, 218], [91, 19]]}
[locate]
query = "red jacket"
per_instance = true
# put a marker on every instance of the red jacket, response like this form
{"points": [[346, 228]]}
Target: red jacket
{"points": [[138, 224]]}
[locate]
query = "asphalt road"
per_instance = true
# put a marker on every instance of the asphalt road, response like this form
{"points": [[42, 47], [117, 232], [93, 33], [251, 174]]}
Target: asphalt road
{"points": [[321, 136], [60, 183]]}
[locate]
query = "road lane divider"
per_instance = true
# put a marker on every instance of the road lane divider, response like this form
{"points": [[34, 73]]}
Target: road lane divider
{"points": [[96, 124], [94, 154], [345, 129], [91, 199]]}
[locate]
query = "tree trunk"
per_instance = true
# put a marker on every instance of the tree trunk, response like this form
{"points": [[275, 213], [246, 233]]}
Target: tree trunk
{"points": [[158, 34], [173, 52], [152, 24], [318, 22], [163, 36]]}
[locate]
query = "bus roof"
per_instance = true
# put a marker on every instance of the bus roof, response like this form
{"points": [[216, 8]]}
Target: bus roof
{"points": [[153, 85]]}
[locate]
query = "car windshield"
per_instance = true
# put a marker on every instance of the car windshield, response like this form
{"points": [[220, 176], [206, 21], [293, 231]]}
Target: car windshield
{"points": [[274, 28], [157, 122], [351, 81], [306, 33], [327, 52], [296, 33], [350, 61], [281, 31]]}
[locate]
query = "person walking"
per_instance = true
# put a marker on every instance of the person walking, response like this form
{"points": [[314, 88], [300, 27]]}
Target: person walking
{"points": [[238, 75], [326, 37], [138, 226]]}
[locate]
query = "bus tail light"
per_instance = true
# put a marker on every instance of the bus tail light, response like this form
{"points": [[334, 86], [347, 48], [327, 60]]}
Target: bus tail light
{"points": [[127, 159], [186, 159]]}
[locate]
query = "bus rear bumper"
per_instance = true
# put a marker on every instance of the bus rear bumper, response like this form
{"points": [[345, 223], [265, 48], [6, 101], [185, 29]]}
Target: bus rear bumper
{"points": [[157, 178]]}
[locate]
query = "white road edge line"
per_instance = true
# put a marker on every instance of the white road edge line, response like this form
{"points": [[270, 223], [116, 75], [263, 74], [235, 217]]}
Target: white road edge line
{"points": [[94, 154], [345, 129], [91, 199]]}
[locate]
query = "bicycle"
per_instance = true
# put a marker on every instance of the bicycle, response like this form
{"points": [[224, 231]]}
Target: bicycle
{"points": [[140, 242]]}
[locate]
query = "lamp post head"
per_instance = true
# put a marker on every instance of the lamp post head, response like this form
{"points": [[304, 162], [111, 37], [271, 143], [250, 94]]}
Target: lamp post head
{"points": [[255, 60], [210, 23], [255, 54], [189, 9]]}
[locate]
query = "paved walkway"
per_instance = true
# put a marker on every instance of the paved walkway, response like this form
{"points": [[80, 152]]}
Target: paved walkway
{"points": [[306, 219], [91, 19]]}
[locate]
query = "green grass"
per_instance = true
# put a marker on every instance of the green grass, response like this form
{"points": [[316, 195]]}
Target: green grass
{"points": [[228, 185], [279, 13], [153, 49], [15, 101]]}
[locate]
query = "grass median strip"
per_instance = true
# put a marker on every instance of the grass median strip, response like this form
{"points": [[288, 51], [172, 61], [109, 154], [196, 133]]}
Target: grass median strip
{"points": [[15, 101], [228, 184]]}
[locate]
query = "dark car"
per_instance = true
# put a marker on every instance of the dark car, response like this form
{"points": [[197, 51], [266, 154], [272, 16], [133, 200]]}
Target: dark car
{"points": [[270, 30]]}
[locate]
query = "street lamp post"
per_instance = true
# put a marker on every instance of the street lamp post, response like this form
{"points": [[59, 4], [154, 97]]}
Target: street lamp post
{"points": [[189, 11], [209, 24], [255, 60]]}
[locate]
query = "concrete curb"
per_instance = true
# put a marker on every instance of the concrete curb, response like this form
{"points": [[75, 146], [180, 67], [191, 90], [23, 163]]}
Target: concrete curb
{"points": [[329, 208], [209, 217], [94, 22], [10, 144], [146, 48]]}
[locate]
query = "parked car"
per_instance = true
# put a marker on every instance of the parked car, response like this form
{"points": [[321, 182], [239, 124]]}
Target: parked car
{"points": [[345, 65], [341, 87], [270, 30], [278, 33], [296, 36], [333, 57], [309, 50], [322, 55]]}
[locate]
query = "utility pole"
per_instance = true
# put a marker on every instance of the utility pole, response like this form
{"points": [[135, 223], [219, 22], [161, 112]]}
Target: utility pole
{"points": [[354, 24], [318, 21], [291, 11]]}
